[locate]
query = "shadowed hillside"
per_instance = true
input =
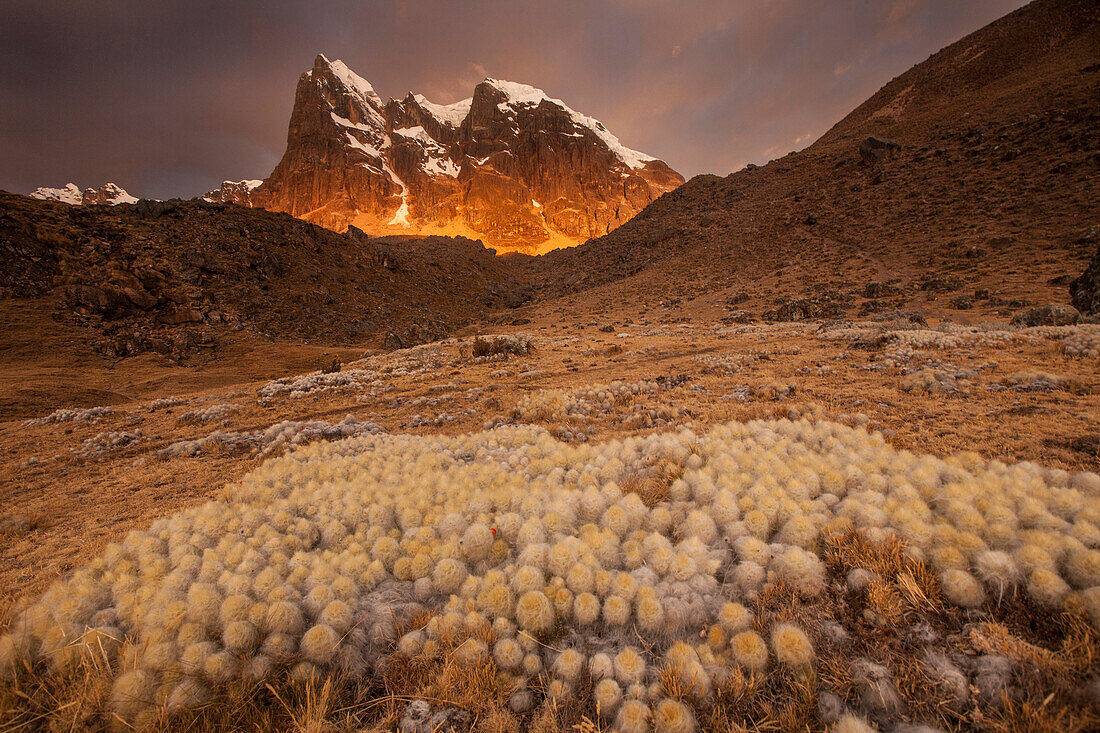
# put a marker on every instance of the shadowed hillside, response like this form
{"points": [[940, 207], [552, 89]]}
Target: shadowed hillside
{"points": [[994, 181]]}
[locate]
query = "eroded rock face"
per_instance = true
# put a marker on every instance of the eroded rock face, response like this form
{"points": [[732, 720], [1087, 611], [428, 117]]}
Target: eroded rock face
{"points": [[510, 165], [1086, 288], [233, 192]]}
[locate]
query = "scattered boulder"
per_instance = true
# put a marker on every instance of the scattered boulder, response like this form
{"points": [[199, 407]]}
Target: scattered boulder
{"points": [[361, 327], [155, 209], [1053, 314], [879, 290], [392, 342], [828, 304], [962, 302], [737, 316], [201, 261], [518, 295], [104, 301], [940, 283], [177, 315], [876, 149], [140, 298], [1085, 290]]}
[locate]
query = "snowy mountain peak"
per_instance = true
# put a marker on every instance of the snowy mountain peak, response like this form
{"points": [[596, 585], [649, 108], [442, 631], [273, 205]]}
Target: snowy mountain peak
{"points": [[473, 167], [108, 194], [347, 78]]}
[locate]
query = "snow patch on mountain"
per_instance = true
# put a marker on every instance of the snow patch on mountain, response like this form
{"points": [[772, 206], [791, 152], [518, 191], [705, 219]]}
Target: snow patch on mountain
{"points": [[401, 218], [438, 159], [449, 114], [345, 122], [362, 147]]}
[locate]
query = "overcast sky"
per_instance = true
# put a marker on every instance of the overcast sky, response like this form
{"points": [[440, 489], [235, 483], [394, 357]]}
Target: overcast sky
{"points": [[170, 98]]}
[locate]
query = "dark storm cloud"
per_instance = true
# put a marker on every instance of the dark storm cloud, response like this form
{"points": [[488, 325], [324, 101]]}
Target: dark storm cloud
{"points": [[170, 98]]}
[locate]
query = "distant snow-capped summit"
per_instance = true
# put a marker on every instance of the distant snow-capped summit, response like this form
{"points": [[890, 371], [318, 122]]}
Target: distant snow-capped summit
{"points": [[233, 192], [70, 193]]}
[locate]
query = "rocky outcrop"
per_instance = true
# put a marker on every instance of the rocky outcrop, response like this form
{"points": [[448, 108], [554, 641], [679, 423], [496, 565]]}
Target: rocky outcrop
{"points": [[1085, 289], [510, 165], [175, 277], [875, 149], [1054, 314]]}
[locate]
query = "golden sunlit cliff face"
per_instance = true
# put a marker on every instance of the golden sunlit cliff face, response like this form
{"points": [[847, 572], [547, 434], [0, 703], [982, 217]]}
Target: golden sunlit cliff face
{"points": [[510, 166]]}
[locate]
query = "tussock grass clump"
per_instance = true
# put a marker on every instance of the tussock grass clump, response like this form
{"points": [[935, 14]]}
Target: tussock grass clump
{"points": [[535, 570]]}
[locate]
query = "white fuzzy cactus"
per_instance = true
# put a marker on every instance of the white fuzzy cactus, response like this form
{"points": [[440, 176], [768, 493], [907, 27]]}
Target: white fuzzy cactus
{"points": [[514, 538]]}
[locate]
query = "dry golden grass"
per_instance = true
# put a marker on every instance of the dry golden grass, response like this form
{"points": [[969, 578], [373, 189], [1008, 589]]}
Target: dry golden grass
{"points": [[652, 490]]}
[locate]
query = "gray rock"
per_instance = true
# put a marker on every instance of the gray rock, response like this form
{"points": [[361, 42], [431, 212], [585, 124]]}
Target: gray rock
{"points": [[393, 342], [1053, 314], [1085, 289], [361, 327], [519, 295], [176, 316], [875, 149]]}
